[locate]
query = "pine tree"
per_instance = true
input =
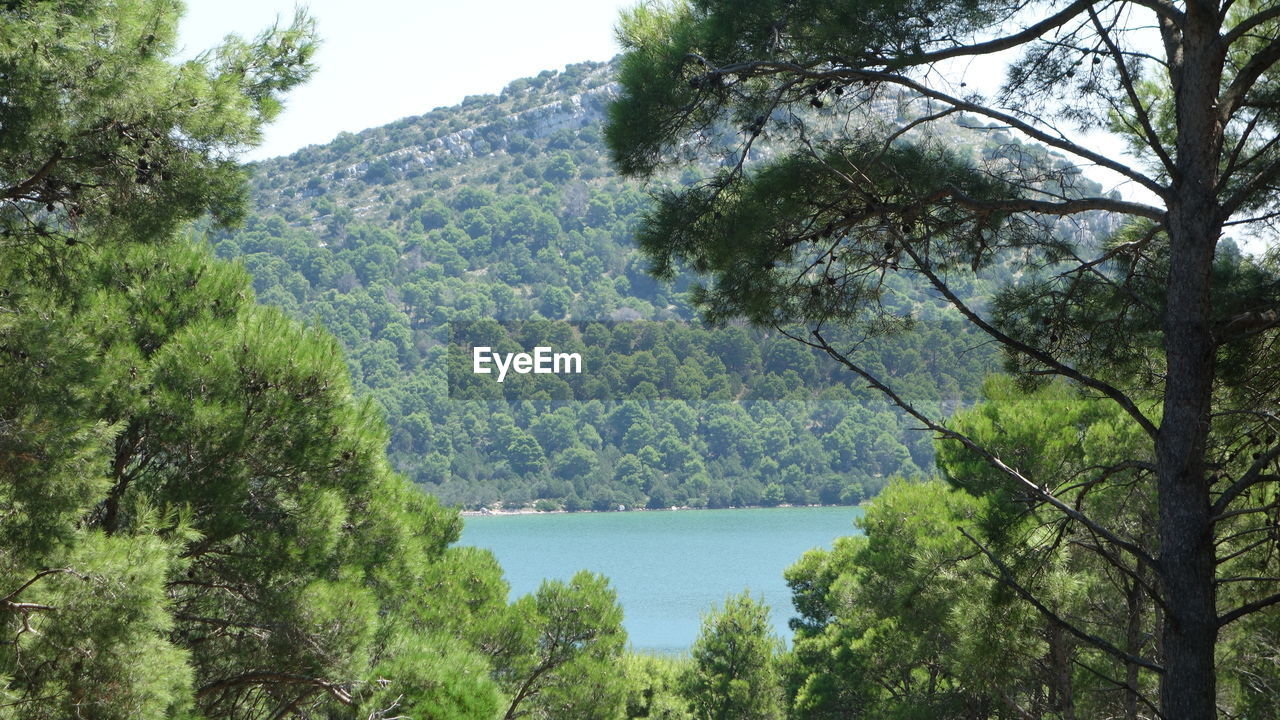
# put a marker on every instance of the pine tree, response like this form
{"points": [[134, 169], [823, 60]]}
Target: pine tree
{"points": [[846, 199], [733, 674], [198, 516]]}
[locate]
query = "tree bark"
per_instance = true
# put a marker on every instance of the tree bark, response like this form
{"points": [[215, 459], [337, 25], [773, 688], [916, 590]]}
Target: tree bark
{"points": [[1061, 692], [1186, 561], [1133, 646]]}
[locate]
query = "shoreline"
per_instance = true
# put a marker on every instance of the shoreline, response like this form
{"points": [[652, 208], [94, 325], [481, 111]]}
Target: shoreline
{"points": [[531, 511]]}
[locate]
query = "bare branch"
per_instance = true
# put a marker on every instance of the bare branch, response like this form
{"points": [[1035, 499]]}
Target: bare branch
{"points": [[1000, 44], [1247, 548], [21, 189], [1133, 691], [276, 678], [27, 607], [1244, 193], [1251, 22], [995, 462], [923, 119], [1035, 353], [1136, 576], [1238, 147], [1126, 81], [1066, 207], [1107, 471], [527, 690], [1008, 579], [1166, 11], [221, 622], [1259, 63], [1251, 579], [1246, 324], [1248, 609], [1250, 510], [42, 574], [1250, 478], [766, 68]]}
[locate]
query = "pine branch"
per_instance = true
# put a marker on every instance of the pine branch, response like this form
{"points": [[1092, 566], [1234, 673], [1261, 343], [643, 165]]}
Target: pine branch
{"points": [[1008, 579], [1248, 609], [993, 461]]}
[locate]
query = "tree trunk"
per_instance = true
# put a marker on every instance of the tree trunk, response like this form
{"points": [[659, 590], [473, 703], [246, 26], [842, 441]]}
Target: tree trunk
{"points": [[1186, 540], [1186, 560], [1061, 692], [1133, 646]]}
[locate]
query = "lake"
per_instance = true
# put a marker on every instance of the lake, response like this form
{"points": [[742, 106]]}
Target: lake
{"points": [[668, 567]]}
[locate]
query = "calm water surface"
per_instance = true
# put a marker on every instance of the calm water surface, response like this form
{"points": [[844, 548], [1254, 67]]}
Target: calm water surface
{"points": [[668, 567]]}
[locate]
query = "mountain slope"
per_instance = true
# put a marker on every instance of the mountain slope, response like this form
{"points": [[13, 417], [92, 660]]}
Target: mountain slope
{"points": [[505, 207]]}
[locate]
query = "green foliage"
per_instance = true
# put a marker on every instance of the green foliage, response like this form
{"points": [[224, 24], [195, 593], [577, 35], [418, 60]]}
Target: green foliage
{"points": [[94, 101], [838, 181], [653, 687], [199, 517], [669, 45], [733, 672], [433, 678], [751, 240], [240, 536], [556, 654], [1051, 432], [915, 619], [95, 639], [905, 623]]}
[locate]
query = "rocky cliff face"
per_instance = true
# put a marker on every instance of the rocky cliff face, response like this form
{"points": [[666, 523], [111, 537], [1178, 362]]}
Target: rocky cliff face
{"points": [[575, 112], [452, 142], [455, 146]]}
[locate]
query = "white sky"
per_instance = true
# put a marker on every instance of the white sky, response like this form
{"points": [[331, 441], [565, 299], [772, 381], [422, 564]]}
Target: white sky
{"points": [[382, 60]]}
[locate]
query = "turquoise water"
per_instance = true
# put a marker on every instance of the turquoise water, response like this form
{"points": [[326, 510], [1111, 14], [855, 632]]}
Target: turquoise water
{"points": [[668, 567]]}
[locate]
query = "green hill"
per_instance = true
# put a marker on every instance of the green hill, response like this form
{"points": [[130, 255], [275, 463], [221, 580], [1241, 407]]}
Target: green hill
{"points": [[505, 207]]}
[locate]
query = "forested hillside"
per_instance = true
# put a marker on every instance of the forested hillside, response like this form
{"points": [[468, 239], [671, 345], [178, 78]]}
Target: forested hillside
{"points": [[505, 207]]}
